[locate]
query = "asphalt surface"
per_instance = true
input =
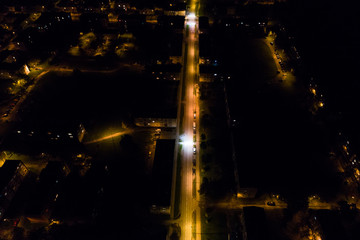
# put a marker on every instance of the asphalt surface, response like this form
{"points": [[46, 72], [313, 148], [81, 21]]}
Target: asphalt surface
{"points": [[189, 198]]}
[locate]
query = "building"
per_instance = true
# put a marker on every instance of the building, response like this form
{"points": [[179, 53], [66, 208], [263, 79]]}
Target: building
{"points": [[156, 122], [93, 21], [210, 72], [12, 174], [53, 173], [49, 21], [67, 6], [162, 176], [175, 9], [247, 193], [166, 72]]}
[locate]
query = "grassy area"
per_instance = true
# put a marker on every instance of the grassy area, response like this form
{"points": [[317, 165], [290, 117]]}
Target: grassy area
{"points": [[215, 159], [261, 58], [213, 225], [276, 122], [274, 217]]}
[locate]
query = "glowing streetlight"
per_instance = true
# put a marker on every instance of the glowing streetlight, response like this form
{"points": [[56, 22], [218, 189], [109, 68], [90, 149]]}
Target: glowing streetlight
{"points": [[191, 16], [185, 140], [191, 24], [313, 91]]}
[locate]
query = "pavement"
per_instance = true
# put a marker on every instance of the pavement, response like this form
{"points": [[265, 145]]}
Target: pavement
{"points": [[189, 221]]}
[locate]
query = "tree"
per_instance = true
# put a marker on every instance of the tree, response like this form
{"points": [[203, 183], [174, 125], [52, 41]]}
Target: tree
{"points": [[204, 186], [203, 137], [206, 158], [174, 236]]}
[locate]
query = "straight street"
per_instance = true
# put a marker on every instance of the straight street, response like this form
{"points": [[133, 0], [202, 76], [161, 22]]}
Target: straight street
{"points": [[189, 197]]}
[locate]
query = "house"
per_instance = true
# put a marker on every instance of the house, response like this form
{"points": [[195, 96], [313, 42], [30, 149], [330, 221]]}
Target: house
{"points": [[209, 73], [93, 20], [67, 6], [155, 122], [51, 20], [53, 173], [12, 174], [161, 177], [166, 72]]}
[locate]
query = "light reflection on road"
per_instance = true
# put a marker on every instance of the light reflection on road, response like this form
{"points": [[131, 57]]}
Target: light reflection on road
{"points": [[110, 136], [190, 227]]}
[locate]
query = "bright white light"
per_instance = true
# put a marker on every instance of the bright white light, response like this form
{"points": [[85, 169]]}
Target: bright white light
{"points": [[191, 24], [186, 140], [191, 16]]}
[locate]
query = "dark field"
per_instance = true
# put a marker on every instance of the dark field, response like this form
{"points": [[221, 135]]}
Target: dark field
{"points": [[280, 147], [93, 98]]}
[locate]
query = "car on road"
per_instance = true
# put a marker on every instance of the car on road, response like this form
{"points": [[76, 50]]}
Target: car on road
{"points": [[194, 149], [270, 203]]}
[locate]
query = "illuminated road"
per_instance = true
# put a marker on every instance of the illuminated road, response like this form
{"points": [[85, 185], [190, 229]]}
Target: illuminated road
{"points": [[189, 208], [109, 136], [13, 113], [287, 78], [236, 204]]}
